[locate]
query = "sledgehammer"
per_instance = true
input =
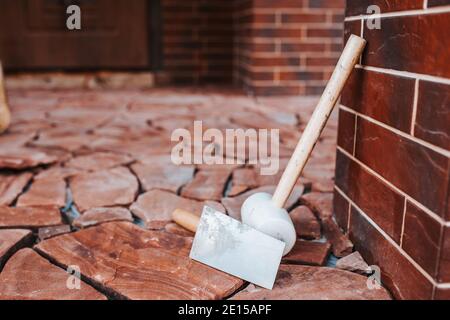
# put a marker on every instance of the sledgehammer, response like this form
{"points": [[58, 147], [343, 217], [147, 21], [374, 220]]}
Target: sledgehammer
{"points": [[5, 115], [265, 212]]}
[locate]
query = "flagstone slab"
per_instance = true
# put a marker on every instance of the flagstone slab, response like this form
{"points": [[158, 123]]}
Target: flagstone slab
{"points": [[29, 217], [23, 158], [242, 180], [318, 172], [12, 240], [322, 206], [140, 148], [28, 276], [63, 139], [354, 263], [53, 231], [305, 222], [323, 185], [155, 207], [236, 190], [96, 216], [57, 172], [207, 185], [15, 140], [219, 166], [80, 117], [106, 188], [98, 161], [320, 203], [296, 282], [12, 185], [308, 252], [25, 126], [44, 192], [165, 176], [139, 264], [234, 204], [252, 177], [340, 242]]}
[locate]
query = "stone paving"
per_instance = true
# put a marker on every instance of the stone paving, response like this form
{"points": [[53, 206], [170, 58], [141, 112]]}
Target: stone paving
{"points": [[86, 180]]}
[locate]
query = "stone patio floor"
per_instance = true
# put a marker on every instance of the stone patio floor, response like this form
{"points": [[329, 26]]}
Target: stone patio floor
{"points": [[87, 185]]}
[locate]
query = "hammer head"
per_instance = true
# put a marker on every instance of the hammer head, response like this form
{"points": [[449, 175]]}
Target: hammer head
{"points": [[261, 213], [235, 248]]}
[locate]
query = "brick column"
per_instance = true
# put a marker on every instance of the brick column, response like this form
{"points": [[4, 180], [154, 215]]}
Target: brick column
{"points": [[287, 46], [393, 158], [197, 41]]}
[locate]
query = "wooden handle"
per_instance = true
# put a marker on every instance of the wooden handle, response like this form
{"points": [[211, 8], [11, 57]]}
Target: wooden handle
{"points": [[347, 62], [5, 114], [186, 219]]}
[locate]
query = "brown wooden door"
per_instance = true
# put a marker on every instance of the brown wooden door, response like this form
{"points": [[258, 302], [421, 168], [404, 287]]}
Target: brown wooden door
{"points": [[114, 34]]}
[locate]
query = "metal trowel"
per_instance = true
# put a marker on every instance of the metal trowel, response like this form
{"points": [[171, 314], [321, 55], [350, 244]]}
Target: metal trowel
{"points": [[228, 245]]}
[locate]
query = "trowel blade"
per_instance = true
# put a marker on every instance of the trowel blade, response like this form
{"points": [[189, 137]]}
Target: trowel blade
{"points": [[228, 245]]}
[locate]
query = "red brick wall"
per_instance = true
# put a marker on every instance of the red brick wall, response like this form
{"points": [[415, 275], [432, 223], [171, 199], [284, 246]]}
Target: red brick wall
{"points": [[287, 46], [393, 158], [197, 41], [267, 46]]}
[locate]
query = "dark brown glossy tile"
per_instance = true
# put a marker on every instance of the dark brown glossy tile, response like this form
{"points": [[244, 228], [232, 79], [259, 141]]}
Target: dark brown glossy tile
{"points": [[374, 197], [433, 114], [435, 3], [383, 97], [357, 7], [410, 43], [421, 238], [341, 206], [415, 169], [444, 260], [442, 294], [397, 272], [351, 27], [346, 130]]}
